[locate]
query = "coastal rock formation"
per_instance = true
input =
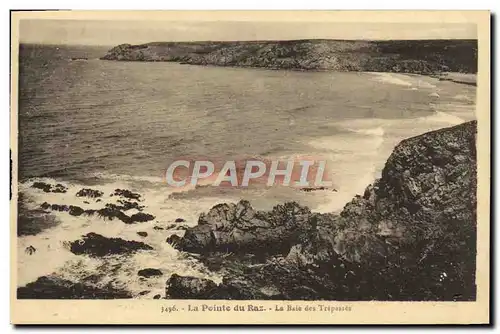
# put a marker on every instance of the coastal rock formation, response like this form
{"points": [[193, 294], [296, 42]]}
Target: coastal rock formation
{"points": [[239, 228], [48, 188], [53, 287], [92, 193], [188, 287], [127, 194], [406, 56], [94, 244], [110, 211], [149, 272], [410, 236]]}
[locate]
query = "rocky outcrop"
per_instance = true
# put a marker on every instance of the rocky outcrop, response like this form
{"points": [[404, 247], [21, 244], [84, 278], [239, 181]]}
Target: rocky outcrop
{"points": [[238, 228], [48, 188], [410, 236], [86, 192], [188, 287], [406, 56], [53, 287], [109, 212], [127, 194], [149, 272], [96, 245]]}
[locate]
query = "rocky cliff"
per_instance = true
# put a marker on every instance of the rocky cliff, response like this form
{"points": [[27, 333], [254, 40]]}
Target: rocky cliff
{"points": [[411, 56], [410, 236]]}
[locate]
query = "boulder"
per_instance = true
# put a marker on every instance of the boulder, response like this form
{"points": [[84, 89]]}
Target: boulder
{"points": [[149, 272], [239, 228], [58, 188], [127, 194], [53, 287], [173, 239], [142, 234], [42, 186], [96, 245], [86, 192], [140, 217], [188, 287], [75, 210]]}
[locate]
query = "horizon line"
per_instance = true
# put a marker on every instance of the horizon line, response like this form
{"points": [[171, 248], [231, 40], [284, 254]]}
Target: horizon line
{"points": [[252, 40]]}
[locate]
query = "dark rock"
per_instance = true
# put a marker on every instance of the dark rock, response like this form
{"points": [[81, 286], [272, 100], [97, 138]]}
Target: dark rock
{"points": [[57, 207], [85, 202], [85, 192], [127, 194], [75, 210], [180, 220], [59, 188], [94, 244], [157, 297], [45, 205], [158, 228], [126, 205], [30, 250], [145, 292], [142, 234], [173, 239], [52, 287], [98, 200], [111, 213], [188, 287], [141, 217], [240, 229], [171, 226], [149, 272], [43, 186], [309, 189]]}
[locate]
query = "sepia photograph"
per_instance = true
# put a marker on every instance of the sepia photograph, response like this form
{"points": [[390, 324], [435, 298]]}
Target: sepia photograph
{"points": [[210, 163]]}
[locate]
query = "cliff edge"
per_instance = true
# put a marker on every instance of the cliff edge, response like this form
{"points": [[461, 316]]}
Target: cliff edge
{"points": [[405, 56]]}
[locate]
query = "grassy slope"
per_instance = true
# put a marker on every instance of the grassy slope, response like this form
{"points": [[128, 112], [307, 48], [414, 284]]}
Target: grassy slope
{"points": [[412, 56]]}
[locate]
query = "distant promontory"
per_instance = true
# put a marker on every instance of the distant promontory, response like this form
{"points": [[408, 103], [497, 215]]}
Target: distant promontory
{"points": [[404, 56]]}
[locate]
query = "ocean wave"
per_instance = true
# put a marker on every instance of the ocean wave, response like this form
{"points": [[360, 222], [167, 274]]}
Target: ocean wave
{"points": [[378, 131], [125, 177], [52, 255], [392, 78], [442, 117]]}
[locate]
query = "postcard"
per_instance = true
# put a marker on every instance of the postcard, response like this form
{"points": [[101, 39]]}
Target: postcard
{"points": [[250, 167]]}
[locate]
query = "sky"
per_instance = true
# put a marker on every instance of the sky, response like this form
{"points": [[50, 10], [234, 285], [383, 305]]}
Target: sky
{"points": [[113, 32]]}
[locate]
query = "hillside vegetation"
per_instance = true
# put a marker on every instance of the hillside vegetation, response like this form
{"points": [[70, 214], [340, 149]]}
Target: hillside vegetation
{"points": [[405, 56]]}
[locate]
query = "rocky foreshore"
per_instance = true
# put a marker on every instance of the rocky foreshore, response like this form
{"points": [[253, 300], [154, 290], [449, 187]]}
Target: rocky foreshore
{"points": [[410, 236], [404, 56]]}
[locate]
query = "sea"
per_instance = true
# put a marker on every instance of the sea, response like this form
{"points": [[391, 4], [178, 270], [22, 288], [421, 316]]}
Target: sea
{"points": [[106, 125]]}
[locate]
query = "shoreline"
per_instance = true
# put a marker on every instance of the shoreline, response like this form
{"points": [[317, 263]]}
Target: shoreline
{"points": [[399, 56], [440, 76]]}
